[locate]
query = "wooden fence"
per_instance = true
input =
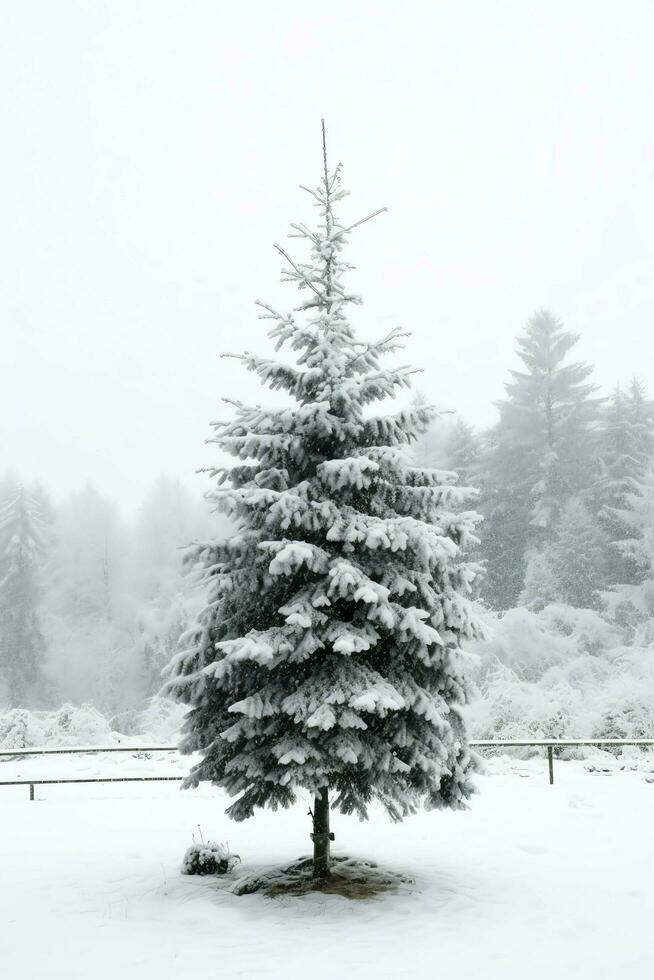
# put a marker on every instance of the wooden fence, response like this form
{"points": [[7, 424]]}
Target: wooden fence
{"points": [[550, 745]]}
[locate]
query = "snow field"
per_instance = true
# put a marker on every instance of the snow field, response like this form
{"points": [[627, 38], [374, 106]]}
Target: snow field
{"points": [[534, 881]]}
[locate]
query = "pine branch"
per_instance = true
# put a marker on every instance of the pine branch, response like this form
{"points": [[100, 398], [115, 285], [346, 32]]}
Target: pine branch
{"points": [[284, 319], [314, 193], [383, 346], [356, 224], [271, 314], [305, 232], [302, 275]]}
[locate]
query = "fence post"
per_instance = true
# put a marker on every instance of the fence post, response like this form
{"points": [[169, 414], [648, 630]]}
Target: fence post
{"points": [[550, 759], [31, 791]]}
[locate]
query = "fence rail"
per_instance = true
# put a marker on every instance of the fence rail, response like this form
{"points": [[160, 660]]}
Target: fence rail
{"points": [[560, 743], [99, 779], [78, 749], [549, 744]]}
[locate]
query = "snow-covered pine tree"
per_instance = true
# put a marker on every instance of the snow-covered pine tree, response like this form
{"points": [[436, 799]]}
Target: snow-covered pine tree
{"points": [[627, 452], [568, 568], [22, 646], [540, 454], [90, 604], [158, 577], [432, 448], [463, 453], [632, 603], [328, 657], [579, 556]]}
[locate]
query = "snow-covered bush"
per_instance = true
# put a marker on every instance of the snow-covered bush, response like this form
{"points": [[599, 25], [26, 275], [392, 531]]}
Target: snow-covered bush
{"points": [[530, 643], [625, 701], [511, 708], [208, 858], [161, 720], [19, 729], [78, 725], [157, 723], [560, 673], [632, 718]]}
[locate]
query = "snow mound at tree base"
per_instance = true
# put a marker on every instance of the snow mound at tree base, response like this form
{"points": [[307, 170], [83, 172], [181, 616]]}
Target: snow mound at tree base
{"points": [[351, 878]]}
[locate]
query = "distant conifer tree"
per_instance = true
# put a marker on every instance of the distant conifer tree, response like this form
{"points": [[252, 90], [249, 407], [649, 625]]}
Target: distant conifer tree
{"points": [[626, 453], [22, 646], [540, 454]]}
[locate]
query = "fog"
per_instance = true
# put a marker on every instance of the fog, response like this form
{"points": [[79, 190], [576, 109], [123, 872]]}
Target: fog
{"points": [[351, 526], [151, 156]]}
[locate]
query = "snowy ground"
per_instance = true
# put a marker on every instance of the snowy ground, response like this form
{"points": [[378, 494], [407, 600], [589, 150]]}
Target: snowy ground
{"points": [[534, 882]]}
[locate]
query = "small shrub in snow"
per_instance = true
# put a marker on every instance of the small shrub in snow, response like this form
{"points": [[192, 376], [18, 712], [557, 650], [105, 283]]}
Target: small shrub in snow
{"points": [[19, 729], [161, 720], [208, 858], [78, 725], [632, 718], [126, 722]]}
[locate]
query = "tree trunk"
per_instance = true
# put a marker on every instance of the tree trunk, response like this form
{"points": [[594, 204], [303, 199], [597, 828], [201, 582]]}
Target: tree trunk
{"points": [[321, 835]]}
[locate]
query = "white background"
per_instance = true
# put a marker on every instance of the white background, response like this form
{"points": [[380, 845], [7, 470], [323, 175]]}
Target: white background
{"points": [[151, 153]]}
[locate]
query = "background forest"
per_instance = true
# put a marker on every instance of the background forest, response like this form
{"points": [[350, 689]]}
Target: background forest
{"points": [[92, 605]]}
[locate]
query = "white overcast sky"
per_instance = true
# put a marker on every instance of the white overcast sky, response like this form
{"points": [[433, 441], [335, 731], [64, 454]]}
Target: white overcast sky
{"points": [[151, 154]]}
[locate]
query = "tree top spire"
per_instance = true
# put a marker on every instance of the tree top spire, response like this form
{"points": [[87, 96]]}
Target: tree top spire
{"points": [[324, 147]]}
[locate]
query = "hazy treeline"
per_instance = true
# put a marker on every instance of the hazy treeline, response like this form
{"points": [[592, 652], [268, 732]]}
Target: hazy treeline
{"points": [[91, 604], [566, 488], [565, 481]]}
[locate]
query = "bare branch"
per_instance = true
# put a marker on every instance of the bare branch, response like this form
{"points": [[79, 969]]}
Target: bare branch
{"points": [[319, 198], [356, 224], [271, 313], [392, 334], [305, 232], [301, 274]]}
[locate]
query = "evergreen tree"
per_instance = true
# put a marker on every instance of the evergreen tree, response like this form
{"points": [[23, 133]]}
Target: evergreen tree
{"points": [[567, 569], [431, 448], [463, 453], [22, 646], [539, 455], [627, 451], [9, 484], [161, 624], [89, 559], [541, 587], [91, 604], [327, 659], [169, 518], [632, 603]]}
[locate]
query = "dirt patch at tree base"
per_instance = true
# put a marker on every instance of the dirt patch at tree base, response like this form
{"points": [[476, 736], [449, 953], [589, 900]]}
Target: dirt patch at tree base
{"points": [[351, 878]]}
